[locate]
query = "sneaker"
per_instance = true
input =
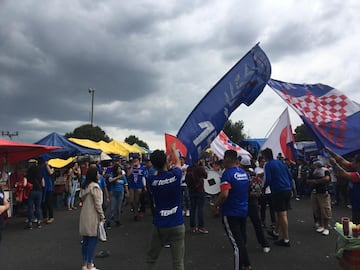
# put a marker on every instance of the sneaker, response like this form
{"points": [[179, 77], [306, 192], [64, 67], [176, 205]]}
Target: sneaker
{"points": [[326, 232], [50, 220], [266, 249], [273, 234], [38, 225], [282, 243], [167, 245], [203, 231], [28, 226], [187, 213], [93, 267], [194, 229], [320, 229]]}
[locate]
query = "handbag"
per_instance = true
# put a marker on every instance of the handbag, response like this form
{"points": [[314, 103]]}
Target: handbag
{"points": [[102, 232]]}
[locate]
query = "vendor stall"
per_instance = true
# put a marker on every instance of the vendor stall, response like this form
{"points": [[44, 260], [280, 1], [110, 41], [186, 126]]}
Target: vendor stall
{"points": [[12, 152], [348, 246]]}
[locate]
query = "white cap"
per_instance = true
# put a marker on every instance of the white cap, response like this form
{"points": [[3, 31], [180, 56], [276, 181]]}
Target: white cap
{"points": [[259, 170], [245, 160]]}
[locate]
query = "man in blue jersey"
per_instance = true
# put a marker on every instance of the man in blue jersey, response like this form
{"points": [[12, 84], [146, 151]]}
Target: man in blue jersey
{"points": [[165, 187], [233, 201], [278, 177], [136, 179]]}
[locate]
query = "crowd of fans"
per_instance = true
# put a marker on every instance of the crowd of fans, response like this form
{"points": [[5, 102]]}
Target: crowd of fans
{"points": [[131, 182]]}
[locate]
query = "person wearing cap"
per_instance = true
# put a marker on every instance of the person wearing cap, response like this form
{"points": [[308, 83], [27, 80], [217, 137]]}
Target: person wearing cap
{"points": [[136, 179], [184, 188], [278, 177], [255, 191], [320, 197], [265, 199]]}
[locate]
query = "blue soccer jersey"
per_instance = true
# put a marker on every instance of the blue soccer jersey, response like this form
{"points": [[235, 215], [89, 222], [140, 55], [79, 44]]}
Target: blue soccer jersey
{"points": [[166, 190], [236, 181], [135, 179]]}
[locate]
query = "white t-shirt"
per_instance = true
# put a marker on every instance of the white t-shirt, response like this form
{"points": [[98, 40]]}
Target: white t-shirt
{"points": [[183, 170]]}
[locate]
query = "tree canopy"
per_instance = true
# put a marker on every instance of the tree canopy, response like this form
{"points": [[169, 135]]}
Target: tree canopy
{"points": [[302, 133], [89, 132], [133, 139], [235, 131]]}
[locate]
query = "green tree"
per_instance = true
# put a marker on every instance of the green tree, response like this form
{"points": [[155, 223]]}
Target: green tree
{"points": [[133, 139], [302, 133], [234, 131], [89, 132]]}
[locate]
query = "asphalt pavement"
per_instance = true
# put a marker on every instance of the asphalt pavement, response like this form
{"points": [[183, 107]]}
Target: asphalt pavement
{"points": [[57, 246]]}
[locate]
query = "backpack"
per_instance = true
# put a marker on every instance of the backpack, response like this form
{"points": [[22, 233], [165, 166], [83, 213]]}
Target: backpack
{"points": [[255, 187]]}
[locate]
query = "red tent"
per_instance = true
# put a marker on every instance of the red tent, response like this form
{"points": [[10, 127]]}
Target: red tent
{"points": [[12, 152]]}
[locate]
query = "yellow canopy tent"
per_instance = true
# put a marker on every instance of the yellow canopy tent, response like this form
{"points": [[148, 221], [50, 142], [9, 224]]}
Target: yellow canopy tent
{"points": [[86, 143], [125, 147], [109, 149], [104, 146], [131, 148], [142, 151], [60, 163]]}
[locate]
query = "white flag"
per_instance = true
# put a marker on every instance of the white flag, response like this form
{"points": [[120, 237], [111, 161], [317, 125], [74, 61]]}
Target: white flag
{"points": [[281, 139], [223, 143]]}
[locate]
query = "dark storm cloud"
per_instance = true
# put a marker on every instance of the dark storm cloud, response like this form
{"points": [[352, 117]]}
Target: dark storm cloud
{"points": [[150, 62]]}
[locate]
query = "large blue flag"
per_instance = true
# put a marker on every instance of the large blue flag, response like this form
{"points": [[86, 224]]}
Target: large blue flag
{"points": [[243, 83], [333, 118]]}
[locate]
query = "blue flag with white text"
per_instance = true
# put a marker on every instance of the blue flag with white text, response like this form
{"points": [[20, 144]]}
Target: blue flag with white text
{"points": [[243, 83], [333, 118]]}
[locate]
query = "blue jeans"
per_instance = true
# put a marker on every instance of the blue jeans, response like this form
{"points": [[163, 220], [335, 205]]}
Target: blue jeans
{"points": [[35, 198], [88, 248], [71, 196], [116, 199], [197, 201]]}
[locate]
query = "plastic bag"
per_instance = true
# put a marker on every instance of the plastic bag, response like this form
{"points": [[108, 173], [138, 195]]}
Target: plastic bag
{"points": [[102, 232]]}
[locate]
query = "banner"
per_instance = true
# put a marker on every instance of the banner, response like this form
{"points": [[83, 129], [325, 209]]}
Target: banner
{"points": [[243, 83], [331, 116], [281, 139], [180, 147], [223, 143]]}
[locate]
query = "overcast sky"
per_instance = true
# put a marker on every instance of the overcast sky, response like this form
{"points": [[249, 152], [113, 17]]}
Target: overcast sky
{"points": [[151, 62]]}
